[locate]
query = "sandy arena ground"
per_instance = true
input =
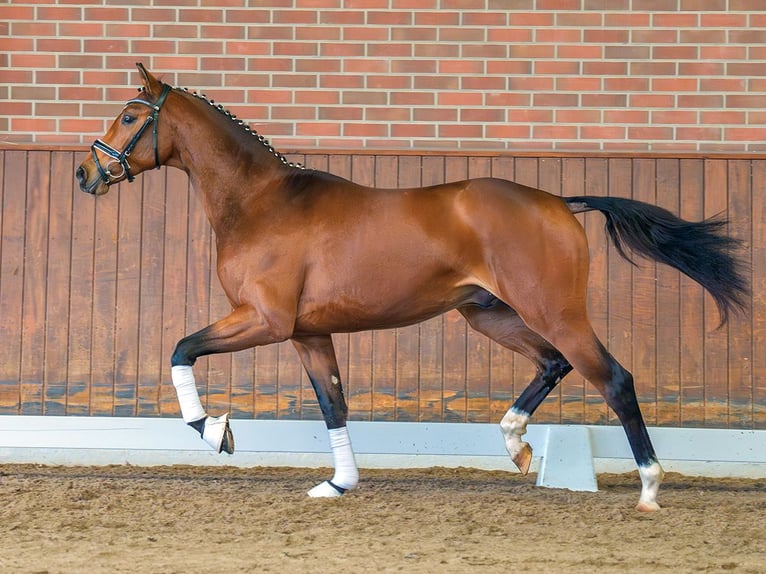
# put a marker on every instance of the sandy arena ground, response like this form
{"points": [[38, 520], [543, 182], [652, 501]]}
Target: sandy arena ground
{"points": [[190, 519]]}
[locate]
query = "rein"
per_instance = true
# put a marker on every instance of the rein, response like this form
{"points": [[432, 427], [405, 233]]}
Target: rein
{"points": [[121, 158]]}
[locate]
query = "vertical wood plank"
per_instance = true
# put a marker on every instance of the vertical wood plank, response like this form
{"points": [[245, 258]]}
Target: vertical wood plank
{"points": [[35, 285], [644, 308], [359, 389], [12, 278], [431, 359], [242, 400], [527, 172], [739, 329], [692, 193], [455, 330], [505, 388], [668, 348], [549, 175], [305, 404], [478, 346], [290, 383], [105, 279], [385, 341], [58, 278], [549, 179], [408, 338], [758, 286], [571, 389], [218, 384], [620, 277], [716, 340], [79, 365], [127, 296], [341, 165], [176, 242], [595, 410], [151, 358]]}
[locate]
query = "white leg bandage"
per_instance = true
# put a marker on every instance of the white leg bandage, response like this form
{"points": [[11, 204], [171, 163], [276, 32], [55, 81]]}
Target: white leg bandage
{"points": [[214, 431], [514, 426], [651, 478], [346, 474], [188, 397]]}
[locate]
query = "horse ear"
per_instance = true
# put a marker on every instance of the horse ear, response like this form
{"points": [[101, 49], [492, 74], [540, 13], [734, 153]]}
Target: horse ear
{"points": [[151, 84]]}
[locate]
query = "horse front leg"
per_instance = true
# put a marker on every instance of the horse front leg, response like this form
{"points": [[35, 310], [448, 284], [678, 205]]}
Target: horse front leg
{"points": [[318, 357], [242, 329]]}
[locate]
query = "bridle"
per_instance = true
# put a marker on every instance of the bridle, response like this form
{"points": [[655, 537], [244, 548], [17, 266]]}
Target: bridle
{"points": [[122, 157]]}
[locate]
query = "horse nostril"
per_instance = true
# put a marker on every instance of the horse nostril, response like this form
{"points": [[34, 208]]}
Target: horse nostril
{"points": [[81, 175]]}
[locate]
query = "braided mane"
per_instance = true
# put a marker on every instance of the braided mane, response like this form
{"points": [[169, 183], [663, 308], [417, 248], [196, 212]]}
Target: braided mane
{"points": [[261, 140]]}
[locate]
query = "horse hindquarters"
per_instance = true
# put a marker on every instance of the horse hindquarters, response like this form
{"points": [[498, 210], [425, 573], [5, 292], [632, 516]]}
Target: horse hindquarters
{"points": [[547, 285]]}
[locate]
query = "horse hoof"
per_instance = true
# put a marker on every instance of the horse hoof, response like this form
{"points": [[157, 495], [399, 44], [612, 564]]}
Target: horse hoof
{"points": [[325, 490], [227, 444], [523, 458], [643, 506], [218, 434]]}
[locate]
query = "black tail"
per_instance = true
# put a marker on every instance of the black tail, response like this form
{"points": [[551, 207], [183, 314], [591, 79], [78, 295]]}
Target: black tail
{"points": [[700, 250]]}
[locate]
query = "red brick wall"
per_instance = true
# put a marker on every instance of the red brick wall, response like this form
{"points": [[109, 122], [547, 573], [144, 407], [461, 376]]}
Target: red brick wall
{"points": [[424, 74]]}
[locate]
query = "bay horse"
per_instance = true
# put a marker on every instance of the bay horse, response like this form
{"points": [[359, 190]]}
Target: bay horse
{"points": [[303, 254]]}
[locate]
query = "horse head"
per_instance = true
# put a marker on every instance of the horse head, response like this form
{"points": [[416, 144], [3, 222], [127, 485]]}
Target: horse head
{"points": [[131, 144]]}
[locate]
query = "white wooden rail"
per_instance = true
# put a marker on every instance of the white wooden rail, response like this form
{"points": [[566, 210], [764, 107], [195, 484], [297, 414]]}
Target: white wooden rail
{"points": [[566, 456]]}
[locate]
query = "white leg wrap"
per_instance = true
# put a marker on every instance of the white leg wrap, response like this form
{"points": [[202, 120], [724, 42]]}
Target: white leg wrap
{"points": [[346, 474], [186, 389], [651, 478], [216, 429], [514, 426]]}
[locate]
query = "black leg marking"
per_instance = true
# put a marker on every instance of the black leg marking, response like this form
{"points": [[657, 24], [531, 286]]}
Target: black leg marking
{"points": [[336, 487], [198, 425], [620, 395], [318, 357], [550, 371]]}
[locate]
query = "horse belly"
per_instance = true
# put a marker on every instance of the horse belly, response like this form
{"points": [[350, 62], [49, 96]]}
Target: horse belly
{"points": [[379, 301]]}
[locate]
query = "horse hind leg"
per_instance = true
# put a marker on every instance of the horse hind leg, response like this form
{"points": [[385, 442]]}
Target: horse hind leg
{"points": [[503, 325], [551, 369], [578, 342]]}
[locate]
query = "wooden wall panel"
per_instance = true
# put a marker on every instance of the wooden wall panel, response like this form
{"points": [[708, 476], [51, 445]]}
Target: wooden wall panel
{"points": [[757, 246], [12, 279], [668, 338], [95, 293], [58, 281], [691, 313]]}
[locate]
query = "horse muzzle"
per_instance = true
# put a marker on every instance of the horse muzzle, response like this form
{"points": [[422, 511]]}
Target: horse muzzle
{"points": [[90, 185]]}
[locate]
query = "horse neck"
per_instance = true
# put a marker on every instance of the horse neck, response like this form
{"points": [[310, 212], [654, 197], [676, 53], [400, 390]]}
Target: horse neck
{"points": [[227, 166]]}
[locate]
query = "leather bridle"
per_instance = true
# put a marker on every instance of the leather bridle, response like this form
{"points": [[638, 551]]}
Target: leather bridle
{"points": [[122, 157]]}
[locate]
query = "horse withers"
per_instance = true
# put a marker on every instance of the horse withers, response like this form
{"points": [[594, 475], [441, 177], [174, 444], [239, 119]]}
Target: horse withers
{"points": [[303, 254]]}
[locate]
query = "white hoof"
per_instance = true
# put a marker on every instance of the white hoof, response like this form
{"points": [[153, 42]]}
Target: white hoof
{"points": [[218, 434], [326, 490]]}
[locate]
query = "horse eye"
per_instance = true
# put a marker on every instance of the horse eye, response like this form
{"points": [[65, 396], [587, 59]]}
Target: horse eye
{"points": [[127, 119]]}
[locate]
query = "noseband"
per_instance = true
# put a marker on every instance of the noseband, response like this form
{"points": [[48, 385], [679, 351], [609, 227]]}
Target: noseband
{"points": [[122, 157]]}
